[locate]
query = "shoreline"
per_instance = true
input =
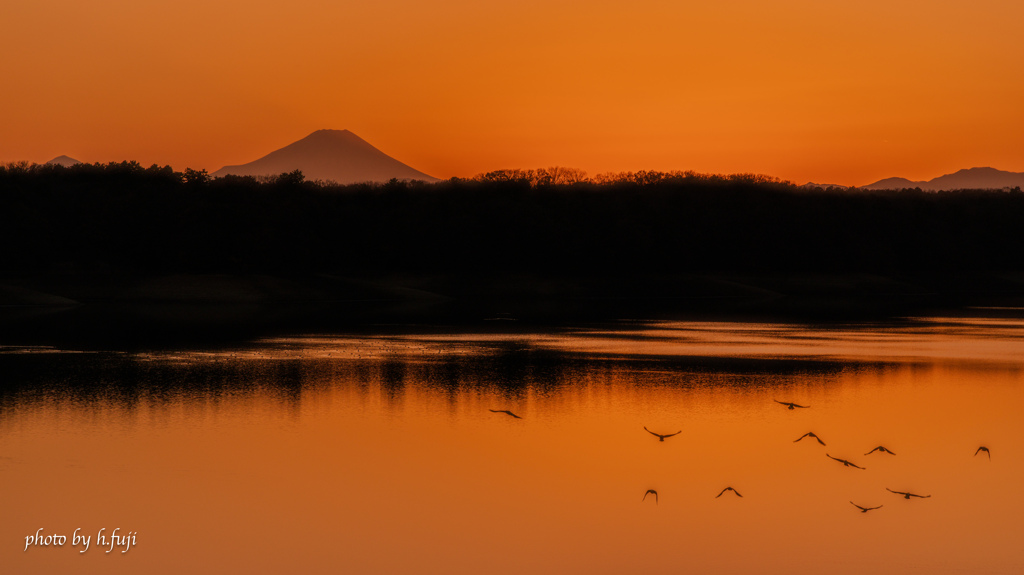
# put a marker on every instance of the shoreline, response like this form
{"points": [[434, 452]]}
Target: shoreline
{"points": [[175, 310]]}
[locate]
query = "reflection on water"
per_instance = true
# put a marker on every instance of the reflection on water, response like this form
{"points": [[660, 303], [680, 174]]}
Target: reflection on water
{"points": [[388, 453]]}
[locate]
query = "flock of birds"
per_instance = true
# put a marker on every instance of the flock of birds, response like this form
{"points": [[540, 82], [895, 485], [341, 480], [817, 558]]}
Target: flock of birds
{"points": [[810, 434]]}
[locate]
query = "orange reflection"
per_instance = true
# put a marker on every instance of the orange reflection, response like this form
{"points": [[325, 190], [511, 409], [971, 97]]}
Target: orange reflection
{"points": [[290, 458]]}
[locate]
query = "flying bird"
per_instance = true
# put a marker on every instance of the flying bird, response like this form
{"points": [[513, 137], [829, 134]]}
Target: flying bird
{"points": [[985, 449], [907, 495], [865, 509], [880, 448], [505, 411], [792, 405], [728, 489], [845, 462], [809, 434], [648, 492], [660, 436]]}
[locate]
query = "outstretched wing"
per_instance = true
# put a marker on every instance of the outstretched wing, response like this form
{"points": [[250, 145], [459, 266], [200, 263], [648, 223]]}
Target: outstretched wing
{"points": [[858, 506], [661, 436], [801, 437]]}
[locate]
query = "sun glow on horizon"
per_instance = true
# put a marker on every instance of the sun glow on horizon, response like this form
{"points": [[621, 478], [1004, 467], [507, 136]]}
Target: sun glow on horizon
{"points": [[844, 93]]}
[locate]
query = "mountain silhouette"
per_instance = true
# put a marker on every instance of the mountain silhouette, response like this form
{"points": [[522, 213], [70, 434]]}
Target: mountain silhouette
{"points": [[335, 155], [973, 178], [65, 161], [811, 185]]}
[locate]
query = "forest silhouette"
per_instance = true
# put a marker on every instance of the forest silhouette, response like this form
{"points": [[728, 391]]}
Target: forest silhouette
{"points": [[536, 223]]}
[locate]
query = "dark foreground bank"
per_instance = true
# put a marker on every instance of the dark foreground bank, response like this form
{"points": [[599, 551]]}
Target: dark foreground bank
{"points": [[129, 254], [129, 311]]}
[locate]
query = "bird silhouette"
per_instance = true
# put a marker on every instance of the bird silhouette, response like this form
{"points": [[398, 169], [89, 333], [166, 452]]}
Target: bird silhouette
{"points": [[648, 492], [985, 449], [880, 448], [907, 495], [845, 462], [809, 434], [865, 509], [728, 489], [792, 405], [505, 411], [660, 436]]}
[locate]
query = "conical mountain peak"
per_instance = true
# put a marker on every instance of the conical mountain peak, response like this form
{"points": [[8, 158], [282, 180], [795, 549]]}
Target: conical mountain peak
{"points": [[65, 161], [335, 155]]}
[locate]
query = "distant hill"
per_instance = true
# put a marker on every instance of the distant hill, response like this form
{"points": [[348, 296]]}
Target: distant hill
{"points": [[973, 178], [65, 161], [337, 155], [894, 184], [812, 185]]}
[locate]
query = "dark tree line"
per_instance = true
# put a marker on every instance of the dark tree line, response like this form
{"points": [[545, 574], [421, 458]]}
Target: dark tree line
{"points": [[156, 220]]}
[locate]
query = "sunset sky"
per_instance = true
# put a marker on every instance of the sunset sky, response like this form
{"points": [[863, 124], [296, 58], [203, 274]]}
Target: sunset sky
{"points": [[837, 91]]}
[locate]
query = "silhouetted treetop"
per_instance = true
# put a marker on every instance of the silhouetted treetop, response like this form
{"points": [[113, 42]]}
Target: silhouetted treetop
{"points": [[542, 221]]}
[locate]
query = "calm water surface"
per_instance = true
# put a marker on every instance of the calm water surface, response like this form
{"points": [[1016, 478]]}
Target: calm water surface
{"points": [[379, 453]]}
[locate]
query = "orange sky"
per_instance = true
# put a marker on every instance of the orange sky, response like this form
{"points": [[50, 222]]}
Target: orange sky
{"points": [[842, 91]]}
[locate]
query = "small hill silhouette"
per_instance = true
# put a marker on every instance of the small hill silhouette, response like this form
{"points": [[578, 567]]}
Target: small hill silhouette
{"points": [[980, 178], [893, 184], [973, 179], [336, 155], [65, 161]]}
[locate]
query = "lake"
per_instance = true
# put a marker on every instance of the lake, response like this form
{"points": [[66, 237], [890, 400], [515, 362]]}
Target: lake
{"points": [[386, 450]]}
